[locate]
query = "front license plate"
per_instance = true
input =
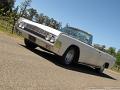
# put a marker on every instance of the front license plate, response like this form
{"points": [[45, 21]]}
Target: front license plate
{"points": [[33, 39]]}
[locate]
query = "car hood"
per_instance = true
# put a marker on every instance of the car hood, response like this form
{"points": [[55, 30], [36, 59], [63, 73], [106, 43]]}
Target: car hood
{"points": [[46, 28]]}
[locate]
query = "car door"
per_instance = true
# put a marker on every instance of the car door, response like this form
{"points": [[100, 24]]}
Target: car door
{"points": [[89, 55]]}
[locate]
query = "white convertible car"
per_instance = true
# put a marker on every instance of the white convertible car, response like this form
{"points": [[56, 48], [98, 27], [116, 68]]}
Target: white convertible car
{"points": [[73, 45]]}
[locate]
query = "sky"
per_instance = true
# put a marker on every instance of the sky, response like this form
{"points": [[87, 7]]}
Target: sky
{"points": [[101, 18]]}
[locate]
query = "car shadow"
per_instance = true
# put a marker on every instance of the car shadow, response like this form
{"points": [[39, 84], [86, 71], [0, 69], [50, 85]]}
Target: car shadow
{"points": [[76, 67]]}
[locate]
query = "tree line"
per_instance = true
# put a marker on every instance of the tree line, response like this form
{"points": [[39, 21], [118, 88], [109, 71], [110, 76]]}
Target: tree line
{"points": [[8, 9], [23, 10], [111, 50]]}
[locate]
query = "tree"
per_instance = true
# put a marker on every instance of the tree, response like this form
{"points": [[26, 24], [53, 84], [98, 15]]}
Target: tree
{"points": [[58, 25], [15, 12], [15, 16], [30, 13], [67, 25], [39, 18], [36, 17], [43, 19], [112, 51], [53, 23], [118, 57], [100, 47], [118, 51], [24, 6], [6, 6]]}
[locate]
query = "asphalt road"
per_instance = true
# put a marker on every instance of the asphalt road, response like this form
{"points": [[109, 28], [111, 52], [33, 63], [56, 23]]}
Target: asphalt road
{"points": [[23, 69]]}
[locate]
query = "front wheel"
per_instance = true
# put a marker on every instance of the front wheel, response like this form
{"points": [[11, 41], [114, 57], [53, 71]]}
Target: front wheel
{"points": [[100, 70], [29, 44], [69, 56]]}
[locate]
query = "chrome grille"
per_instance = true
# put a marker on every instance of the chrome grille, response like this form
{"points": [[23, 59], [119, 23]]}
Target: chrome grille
{"points": [[35, 30]]}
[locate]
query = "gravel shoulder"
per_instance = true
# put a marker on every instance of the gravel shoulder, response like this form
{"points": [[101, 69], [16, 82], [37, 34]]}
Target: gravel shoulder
{"points": [[23, 69]]}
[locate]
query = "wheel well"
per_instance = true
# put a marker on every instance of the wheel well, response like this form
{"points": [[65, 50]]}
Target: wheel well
{"points": [[106, 65], [77, 49]]}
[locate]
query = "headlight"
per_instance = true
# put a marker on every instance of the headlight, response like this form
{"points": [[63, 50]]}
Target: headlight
{"points": [[50, 37], [22, 25], [52, 40]]}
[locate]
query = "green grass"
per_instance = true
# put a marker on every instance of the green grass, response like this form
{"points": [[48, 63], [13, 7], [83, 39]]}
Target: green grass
{"points": [[9, 32]]}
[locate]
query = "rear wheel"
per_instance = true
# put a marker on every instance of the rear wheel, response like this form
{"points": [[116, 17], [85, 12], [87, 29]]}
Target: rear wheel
{"points": [[29, 44], [70, 56], [101, 69]]}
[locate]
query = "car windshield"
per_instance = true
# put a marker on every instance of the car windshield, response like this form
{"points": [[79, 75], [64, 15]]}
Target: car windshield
{"points": [[78, 34]]}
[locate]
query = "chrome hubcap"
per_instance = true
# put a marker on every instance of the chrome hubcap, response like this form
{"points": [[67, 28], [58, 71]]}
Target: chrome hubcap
{"points": [[69, 56], [102, 68]]}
